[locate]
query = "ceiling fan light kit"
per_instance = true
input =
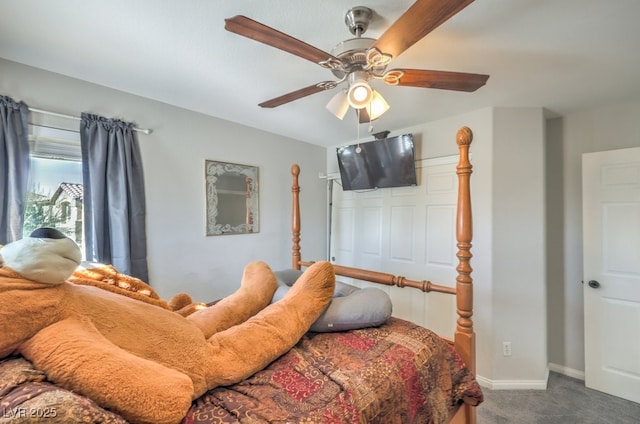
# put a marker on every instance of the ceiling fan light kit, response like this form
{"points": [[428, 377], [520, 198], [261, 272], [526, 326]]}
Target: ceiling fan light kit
{"points": [[377, 106], [339, 104], [360, 92], [360, 60], [373, 110]]}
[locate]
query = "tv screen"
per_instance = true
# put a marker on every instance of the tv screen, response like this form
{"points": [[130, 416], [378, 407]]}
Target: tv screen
{"points": [[382, 163]]}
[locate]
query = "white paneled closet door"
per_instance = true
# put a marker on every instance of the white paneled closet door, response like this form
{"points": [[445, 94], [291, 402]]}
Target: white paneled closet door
{"points": [[611, 261], [407, 231]]}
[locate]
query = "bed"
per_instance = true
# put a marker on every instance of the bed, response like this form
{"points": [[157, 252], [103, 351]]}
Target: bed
{"points": [[397, 372]]}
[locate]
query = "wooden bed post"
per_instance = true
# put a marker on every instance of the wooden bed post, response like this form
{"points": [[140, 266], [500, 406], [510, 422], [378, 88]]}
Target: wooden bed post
{"points": [[295, 218], [464, 336]]}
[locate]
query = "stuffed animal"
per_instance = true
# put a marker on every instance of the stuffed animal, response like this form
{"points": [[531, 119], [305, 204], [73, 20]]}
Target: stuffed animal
{"points": [[142, 361]]}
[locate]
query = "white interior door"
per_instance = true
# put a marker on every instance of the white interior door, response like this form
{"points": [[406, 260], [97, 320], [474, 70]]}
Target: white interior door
{"points": [[611, 244]]}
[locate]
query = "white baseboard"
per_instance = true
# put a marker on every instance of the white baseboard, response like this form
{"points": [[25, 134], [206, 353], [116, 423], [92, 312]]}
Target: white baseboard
{"points": [[514, 384], [529, 384], [569, 372]]}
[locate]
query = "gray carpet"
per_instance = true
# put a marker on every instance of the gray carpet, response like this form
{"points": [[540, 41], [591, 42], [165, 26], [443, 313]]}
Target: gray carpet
{"points": [[566, 401]]}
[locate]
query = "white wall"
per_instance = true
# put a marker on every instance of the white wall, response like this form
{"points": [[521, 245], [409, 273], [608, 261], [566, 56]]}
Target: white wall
{"points": [[180, 256], [518, 226]]}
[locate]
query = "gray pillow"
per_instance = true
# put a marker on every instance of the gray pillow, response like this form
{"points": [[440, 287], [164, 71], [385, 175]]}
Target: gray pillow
{"points": [[288, 276], [350, 308]]}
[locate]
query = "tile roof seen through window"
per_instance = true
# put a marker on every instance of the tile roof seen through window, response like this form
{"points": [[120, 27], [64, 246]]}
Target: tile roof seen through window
{"points": [[73, 190]]}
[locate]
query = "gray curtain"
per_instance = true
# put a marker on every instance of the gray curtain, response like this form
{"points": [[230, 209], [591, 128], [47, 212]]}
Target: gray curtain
{"points": [[14, 167], [114, 201]]}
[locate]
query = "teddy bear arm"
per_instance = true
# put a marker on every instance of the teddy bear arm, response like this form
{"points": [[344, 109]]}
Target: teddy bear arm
{"points": [[74, 355], [256, 290], [240, 351]]}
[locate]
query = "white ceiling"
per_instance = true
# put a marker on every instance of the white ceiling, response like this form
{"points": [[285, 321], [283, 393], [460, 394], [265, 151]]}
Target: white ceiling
{"points": [[564, 55]]}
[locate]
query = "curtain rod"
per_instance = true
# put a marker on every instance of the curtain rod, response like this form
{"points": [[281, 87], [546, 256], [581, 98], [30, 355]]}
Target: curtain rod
{"points": [[62, 115]]}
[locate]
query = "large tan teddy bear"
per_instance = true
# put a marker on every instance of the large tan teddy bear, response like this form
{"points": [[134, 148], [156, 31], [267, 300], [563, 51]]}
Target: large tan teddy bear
{"points": [[142, 361]]}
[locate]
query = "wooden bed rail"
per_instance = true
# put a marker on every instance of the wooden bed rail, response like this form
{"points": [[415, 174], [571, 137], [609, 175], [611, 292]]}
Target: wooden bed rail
{"points": [[386, 279]]}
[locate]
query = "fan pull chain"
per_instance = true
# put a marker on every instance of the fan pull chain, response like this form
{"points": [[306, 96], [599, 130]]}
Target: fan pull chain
{"points": [[358, 149]]}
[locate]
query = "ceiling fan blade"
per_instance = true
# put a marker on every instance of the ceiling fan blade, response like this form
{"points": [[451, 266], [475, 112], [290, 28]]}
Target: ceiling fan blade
{"points": [[255, 30], [420, 19], [445, 80], [298, 94]]}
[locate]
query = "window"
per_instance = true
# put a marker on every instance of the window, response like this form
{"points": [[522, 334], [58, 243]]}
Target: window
{"points": [[55, 193]]}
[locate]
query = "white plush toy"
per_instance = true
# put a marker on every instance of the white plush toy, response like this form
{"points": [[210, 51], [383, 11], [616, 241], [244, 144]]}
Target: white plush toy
{"points": [[46, 256]]}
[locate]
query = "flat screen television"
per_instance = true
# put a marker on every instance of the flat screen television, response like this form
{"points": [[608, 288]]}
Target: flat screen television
{"points": [[389, 162]]}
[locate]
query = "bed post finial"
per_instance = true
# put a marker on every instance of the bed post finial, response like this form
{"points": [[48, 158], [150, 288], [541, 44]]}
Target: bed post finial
{"points": [[464, 136], [295, 217]]}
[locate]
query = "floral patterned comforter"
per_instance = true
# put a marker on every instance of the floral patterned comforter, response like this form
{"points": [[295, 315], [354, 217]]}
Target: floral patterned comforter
{"points": [[396, 373]]}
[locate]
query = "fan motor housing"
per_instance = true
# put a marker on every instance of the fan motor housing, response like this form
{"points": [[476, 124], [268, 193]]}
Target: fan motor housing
{"points": [[357, 20], [352, 53]]}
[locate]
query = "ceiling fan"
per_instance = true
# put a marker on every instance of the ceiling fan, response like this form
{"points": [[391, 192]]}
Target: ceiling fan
{"points": [[360, 60]]}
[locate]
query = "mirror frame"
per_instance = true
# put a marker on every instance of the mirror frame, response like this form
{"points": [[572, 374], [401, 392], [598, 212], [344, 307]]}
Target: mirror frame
{"points": [[213, 171]]}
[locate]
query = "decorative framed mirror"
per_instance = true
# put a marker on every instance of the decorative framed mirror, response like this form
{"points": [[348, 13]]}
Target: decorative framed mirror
{"points": [[232, 205]]}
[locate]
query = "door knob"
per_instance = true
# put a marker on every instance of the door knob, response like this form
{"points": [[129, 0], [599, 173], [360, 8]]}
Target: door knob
{"points": [[593, 284]]}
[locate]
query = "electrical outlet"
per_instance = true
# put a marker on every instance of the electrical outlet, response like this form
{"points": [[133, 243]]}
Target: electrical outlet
{"points": [[506, 348]]}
